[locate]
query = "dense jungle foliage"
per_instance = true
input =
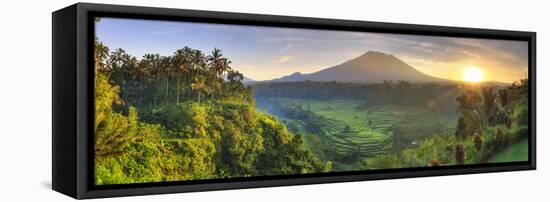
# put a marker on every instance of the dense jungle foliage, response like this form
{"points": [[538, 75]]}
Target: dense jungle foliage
{"points": [[185, 117]]}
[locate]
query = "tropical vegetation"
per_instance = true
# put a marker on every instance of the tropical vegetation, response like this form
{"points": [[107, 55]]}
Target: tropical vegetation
{"points": [[191, 116]]}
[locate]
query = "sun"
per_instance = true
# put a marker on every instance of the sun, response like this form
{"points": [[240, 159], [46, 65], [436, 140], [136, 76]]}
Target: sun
{"points": [[473, 74]]}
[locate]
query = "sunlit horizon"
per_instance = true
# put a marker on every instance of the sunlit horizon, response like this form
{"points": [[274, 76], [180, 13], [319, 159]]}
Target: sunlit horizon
{"points": [[473, 74], [265, 53]]}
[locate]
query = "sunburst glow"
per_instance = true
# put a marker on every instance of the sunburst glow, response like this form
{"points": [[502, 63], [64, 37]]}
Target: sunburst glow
{"points": [[473, 74]]}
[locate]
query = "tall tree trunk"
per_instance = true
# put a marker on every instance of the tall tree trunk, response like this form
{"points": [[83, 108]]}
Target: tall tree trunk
{"points": [[183, 90], [188, 89], [166, 94], [212, 93], [199, 97], [178, 91], [141, 89], [124, 94], [96, 66], [189, 92]]}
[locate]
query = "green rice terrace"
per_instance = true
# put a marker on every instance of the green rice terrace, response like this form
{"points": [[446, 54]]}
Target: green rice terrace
{"points": [[352, 129], [514, 153]]}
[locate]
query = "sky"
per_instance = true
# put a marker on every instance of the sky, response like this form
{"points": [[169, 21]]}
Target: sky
{"points": [[264, 53]]}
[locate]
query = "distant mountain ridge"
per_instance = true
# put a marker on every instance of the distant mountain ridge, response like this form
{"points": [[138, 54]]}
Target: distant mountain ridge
{"points": [[248, 79], [371, 67]]}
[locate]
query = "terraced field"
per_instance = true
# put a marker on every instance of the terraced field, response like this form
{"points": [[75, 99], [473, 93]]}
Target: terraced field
{"points": [[351, 127], [514, 153]]}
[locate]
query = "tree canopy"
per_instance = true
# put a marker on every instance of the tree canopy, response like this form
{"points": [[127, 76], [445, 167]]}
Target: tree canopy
{"points": [[187, 116]]}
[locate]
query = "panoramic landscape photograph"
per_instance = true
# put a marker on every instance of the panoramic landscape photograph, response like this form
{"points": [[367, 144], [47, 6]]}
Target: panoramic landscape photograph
{"points": [[183, 101]]}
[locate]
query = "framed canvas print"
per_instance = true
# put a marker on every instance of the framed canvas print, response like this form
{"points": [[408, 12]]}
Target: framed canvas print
{"points": [[154, 100]]}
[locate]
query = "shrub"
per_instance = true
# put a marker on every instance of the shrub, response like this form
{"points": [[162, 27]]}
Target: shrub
{"points": [[478, 141], [459, 154]]}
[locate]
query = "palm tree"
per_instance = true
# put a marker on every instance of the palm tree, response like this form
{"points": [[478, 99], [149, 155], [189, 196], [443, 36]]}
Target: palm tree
{"points": [[198, 59], [181, 66], [215, 62], [127, 73], [116, 58], [152, 62], [225, 69], [225, 65], [199, 84], [119, 62], [188, 53], [504, 99], [101, 54], [142, 71], [199, 71], [489, 103], [215, 65], [167, 73], [471, 114]]}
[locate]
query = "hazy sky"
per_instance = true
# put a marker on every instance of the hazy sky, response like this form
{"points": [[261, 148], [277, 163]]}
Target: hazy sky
{"points": [[263, 53]]}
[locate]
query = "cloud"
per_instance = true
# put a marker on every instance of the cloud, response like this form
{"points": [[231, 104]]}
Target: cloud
{"points": [[288, 47], [270, 50], [281, 60]]}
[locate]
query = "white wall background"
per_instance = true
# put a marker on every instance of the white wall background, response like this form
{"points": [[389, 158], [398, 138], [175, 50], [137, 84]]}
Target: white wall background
{"points": [[25, 99]]}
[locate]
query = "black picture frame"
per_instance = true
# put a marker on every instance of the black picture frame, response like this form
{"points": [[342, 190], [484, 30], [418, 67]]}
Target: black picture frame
{"points": [[72, 99]]}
